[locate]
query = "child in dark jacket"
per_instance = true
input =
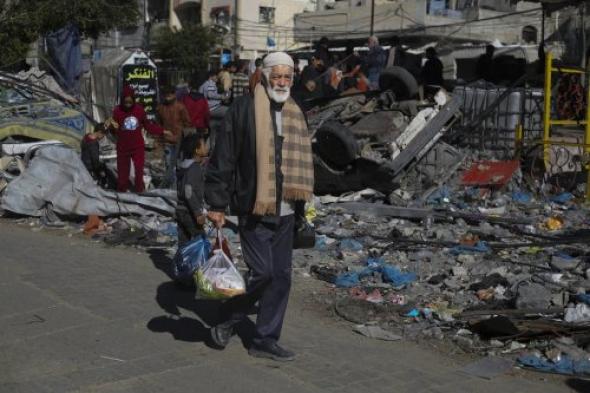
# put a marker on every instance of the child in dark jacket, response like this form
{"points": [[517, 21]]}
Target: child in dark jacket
{"points": [[91, 152], [190, 173]]}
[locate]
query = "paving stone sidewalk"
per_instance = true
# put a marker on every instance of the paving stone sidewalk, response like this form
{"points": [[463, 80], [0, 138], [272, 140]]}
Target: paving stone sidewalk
{"points": [[76, 316]]}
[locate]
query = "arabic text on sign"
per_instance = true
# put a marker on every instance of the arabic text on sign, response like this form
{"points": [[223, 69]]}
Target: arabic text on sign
{"points": [[141, 73]]}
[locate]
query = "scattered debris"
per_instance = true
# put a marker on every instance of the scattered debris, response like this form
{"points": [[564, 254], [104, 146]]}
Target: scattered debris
{"points": [[376, 332]]}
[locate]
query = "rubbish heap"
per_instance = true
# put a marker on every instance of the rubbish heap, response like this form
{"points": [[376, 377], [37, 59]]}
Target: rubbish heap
{"points": [[483, 262]]}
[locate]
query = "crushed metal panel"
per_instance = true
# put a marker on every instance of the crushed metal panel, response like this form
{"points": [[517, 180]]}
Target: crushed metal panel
{"points": [[426, 137], [490, 173]]}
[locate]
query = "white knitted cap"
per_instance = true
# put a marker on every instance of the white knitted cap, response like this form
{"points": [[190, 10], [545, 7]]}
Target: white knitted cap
{"points": [[278, 58]]}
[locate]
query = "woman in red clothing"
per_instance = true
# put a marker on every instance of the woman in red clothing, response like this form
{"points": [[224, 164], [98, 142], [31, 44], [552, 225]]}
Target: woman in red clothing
{"points": [[128, 120]]}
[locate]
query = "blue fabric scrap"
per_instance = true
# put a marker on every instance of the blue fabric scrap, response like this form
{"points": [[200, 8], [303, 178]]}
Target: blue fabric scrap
{"points": [[480, 246]]}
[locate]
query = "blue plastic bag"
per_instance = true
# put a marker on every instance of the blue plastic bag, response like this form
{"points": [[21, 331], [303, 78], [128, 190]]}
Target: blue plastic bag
{"points": [[562, 198], [390, 274], [189, 257], [351, 245], [480, 246]]}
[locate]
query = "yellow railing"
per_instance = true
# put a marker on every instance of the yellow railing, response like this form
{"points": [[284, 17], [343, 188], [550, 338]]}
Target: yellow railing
{"points": [[548, 121]]}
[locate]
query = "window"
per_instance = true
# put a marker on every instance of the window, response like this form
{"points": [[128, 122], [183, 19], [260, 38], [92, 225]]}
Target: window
{"points": [[266, 15], [529, 35]]}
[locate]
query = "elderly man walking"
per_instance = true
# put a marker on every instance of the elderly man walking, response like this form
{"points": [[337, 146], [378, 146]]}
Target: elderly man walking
{"points": [[262, 168]]}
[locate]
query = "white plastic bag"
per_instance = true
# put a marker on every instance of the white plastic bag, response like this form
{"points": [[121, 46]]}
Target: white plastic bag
{"points": [[218, 278]]}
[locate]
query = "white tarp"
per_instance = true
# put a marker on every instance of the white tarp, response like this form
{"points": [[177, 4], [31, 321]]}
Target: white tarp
{"points": [[57, 176]]}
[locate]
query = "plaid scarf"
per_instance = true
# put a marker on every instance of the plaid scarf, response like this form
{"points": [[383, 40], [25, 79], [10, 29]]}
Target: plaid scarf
{"points": [[297, 163]]}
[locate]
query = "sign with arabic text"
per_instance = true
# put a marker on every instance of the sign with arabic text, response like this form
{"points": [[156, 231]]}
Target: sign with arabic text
{"points": [[143, 78]]}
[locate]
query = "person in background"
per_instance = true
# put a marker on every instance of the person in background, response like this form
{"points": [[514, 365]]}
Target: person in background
{"points": [[216, 107], [352, 63], [225, 77], [311, 85], [90, 152], [240, 83], [313, 71], [198, 111], [323, 53], [375, 62], [174, 117], [190, 213], [262, 167], [296, 72], [431, 75], [128, 121], [485, 65], [256, 75]]}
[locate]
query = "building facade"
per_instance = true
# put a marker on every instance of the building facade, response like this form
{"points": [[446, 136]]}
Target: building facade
{"points": [[254, 27], [459, 20]]}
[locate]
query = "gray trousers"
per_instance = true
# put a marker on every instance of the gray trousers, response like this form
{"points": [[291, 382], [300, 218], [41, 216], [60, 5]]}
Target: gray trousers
{"points": [[268, 251]]}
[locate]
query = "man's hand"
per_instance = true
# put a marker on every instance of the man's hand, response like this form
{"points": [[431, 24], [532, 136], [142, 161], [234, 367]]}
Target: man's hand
{"points": [[217, 218], [168, 133]]}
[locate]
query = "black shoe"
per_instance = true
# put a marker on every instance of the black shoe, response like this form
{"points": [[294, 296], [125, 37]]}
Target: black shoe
{"points": [[271, 351], [221, 334]]}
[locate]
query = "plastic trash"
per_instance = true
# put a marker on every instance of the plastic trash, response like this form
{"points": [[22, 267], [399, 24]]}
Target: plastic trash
{"points": [[521, 197], [351, 245], [583, 297], [169, 229], [479, 247], [562, 198], [310, 213], [393, 275], [189, 257], [580, 313], [218, 278], [554, 223], [564, 365], [440, 196], [390, 274], [321, 242]]}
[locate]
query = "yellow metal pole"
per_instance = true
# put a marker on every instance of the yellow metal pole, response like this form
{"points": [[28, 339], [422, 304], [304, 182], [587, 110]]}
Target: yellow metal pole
{"points": [[518, 137], [547, 109]]}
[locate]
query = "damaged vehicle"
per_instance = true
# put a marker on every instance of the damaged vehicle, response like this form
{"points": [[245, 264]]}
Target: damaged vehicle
{"points": [[380, 141]]}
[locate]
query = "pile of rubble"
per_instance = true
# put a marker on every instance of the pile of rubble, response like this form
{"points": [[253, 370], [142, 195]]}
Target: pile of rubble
{"points": [[499, 271]]}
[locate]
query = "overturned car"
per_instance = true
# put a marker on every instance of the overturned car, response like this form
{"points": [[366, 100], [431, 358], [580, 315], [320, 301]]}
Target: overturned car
{"points": [[383, 140]]}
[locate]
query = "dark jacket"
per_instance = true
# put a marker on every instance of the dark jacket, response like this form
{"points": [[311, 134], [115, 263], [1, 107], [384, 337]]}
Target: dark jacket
{"points": [[190, 185], [432, 72], [90, 155], [230, 179]]}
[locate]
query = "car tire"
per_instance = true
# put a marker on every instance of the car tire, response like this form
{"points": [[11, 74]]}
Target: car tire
{"points": [[400, 81], [336, 144]]}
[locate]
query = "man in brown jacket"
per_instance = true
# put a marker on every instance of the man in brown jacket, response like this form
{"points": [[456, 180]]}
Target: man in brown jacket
{"points": [[173, 116]]}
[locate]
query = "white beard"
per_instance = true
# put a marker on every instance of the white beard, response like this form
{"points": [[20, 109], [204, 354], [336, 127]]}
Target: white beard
{"points": [[278, 95]]}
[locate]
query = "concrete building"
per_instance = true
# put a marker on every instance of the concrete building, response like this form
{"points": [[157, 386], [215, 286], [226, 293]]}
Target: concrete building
{"points": [[262, 25], [455, 20]]}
